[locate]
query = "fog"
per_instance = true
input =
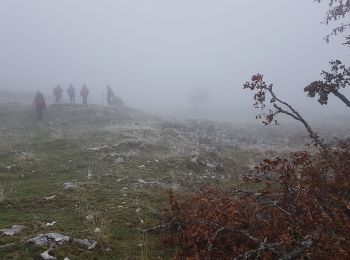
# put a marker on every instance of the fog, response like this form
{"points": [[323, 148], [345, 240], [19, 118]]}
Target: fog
{"points": [[157, 54]]}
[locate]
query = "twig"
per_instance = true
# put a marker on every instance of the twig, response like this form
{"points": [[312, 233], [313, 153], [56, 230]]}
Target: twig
{"points": [[262, 247], [222, 229]]}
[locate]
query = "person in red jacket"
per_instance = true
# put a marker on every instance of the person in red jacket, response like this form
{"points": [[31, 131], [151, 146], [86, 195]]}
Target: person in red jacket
{"points": [[84, 94]]}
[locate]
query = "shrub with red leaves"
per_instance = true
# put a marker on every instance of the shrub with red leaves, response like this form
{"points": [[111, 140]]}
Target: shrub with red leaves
{"points": [[301, 210]]}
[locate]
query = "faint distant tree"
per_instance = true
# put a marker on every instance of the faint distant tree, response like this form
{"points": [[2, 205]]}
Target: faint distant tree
{"points": [[199, 97], [264, 94], [333, 81]]}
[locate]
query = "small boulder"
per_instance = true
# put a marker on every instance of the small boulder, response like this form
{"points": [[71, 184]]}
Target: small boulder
{"points": [[90, 219], [50, 197], [119, 161], [46, 256], [69, 186], [14, 230], [50, 239], [85, 243], [97, 231]]}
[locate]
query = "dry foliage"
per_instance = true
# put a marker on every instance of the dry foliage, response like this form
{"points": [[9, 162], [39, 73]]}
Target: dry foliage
{"points": [[338, 10], [300, 206], [333, 81], [264, 94], [301, 210]]}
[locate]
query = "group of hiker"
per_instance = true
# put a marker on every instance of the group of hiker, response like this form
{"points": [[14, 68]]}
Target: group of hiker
{"points": [[58, 93], [39, 102]]}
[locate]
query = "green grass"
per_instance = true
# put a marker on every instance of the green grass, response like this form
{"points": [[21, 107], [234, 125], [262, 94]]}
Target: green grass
{"points": [[112, 193]]}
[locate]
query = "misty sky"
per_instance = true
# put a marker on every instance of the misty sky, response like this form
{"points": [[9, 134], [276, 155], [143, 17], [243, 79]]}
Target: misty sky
{"points": [[153, 53]]}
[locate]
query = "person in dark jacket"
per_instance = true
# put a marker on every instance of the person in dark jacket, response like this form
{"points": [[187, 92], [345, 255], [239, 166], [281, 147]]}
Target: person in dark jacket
{"points": [[39, 105], [71, 93], [84, 94], [110, 95], [57, 91]]}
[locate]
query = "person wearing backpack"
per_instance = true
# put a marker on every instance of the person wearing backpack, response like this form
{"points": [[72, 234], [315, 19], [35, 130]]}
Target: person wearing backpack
{"points": [[84, 94], [39, 105]]}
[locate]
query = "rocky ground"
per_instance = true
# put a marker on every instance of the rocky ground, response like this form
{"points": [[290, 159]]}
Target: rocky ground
{"points": [[86, 180]]}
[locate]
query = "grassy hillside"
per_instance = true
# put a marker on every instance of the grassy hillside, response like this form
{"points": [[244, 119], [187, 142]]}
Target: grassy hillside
{"points": [[121, 163]]}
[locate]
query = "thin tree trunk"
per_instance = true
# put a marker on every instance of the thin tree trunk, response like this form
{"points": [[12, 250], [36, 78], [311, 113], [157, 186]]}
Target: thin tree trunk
{"points": [[341, 97]]}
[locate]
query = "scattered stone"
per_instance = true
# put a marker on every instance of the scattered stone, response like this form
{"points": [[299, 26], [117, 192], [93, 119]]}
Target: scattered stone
{"points": [[210, 165], [45, 255], [69, 186], [85, 243], [10, 167], [141, 181], [98, 148], [49, 224], [119, 161], [194, 160], [66, 258], [90, 219], [50, 239], [141, 166], [138, 210], [14, 230], [89, 176], [97, 230], [50, 198]]}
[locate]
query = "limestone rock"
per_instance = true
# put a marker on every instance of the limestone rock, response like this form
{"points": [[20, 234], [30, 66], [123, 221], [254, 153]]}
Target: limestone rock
{"points": [[50, 239], [45, 255], [69, 186], [14, 230], [85, 243]]}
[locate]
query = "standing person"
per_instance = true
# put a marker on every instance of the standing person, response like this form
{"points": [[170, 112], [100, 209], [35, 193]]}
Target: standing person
{"points": [[110, 95], [71, 93], [84, 94], [57, 91], [39, 105]]}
